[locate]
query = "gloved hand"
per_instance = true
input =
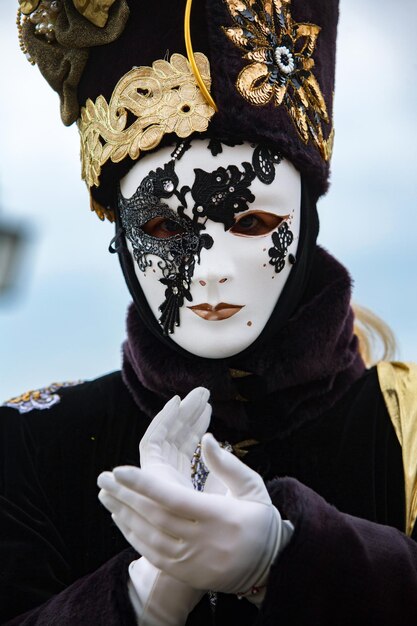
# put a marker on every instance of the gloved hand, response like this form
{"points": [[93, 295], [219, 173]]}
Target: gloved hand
{"points": [[166, 449], [209, 541], [173, 435], [158, 598]]}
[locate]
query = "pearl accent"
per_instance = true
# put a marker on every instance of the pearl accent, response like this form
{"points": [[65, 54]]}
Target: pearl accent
{"points": [[44, 18], [284, 59]]}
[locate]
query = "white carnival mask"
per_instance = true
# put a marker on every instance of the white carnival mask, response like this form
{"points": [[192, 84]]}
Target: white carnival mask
{"points": [[213, 231]]}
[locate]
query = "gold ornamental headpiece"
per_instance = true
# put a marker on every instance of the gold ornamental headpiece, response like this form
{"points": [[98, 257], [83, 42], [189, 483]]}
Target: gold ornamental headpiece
{"points": [[164, 98], [169, 97], [273, 65]]}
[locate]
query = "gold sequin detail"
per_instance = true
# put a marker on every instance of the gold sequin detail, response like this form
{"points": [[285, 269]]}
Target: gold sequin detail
{"points": [[280, 52], [163, 98], [95, 11]]}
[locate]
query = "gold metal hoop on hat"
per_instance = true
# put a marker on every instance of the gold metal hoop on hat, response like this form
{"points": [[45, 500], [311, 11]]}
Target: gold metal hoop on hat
{"points": [[191, 58]]}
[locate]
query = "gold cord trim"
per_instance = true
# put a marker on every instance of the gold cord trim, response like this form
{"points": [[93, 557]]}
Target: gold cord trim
{"points": [[398, 382], [19, 19], [191, 57]]}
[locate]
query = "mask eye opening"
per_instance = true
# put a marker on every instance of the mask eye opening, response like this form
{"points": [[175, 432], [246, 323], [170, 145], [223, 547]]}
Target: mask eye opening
{"points": [[256, 223], [163, 228]]}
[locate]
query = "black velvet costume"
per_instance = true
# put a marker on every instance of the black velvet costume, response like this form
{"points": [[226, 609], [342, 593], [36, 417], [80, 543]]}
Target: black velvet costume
{"points": [[331, 461], [325, 443]]}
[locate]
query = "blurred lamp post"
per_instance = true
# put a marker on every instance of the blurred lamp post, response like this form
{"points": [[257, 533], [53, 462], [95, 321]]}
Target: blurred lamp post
{"points": [[11, 248]]}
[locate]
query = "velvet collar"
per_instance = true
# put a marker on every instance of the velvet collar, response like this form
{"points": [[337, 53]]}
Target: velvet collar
{"points": [[310, 364]]}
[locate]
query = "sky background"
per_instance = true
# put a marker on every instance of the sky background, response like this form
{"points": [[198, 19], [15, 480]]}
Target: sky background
{"points": [[66, 319]]}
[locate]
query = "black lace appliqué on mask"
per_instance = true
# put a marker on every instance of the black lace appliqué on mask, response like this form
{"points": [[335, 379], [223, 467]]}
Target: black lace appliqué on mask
{"points": [[281, 239], [219, 195], [264, 160], [178, 254], [215, 145]]}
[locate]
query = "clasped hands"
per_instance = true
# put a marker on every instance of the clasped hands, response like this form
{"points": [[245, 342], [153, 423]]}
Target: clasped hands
{"points": [[224, 541]]}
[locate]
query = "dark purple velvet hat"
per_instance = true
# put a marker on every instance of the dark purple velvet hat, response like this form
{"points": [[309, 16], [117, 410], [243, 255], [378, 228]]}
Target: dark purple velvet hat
{"points": [[272, 65]]}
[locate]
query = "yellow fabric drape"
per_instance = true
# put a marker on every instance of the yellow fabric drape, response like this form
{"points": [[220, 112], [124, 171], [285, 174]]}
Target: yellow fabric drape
{"points": [[398, 382]]}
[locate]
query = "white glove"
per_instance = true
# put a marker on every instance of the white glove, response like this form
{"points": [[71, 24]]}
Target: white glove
{"points": [[172, 437], [210, 541], [166, 449], [158, 598], [170, 441]]}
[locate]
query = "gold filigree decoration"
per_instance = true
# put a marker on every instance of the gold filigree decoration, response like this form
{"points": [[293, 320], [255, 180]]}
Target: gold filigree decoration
{"points": [[95, 11], [39, 399], [281, 55], [163, 98]]}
